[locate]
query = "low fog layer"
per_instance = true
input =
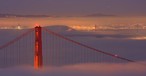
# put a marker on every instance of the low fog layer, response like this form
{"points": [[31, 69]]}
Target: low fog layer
{"points": [[79, 70]]}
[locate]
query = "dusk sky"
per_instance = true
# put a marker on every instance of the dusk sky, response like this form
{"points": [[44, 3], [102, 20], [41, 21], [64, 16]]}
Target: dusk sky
{"points": [[74, 7], [72, 37]]}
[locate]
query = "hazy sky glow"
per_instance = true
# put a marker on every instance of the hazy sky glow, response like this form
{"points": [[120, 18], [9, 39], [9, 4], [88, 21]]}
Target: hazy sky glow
{"points": [[74, 7]]}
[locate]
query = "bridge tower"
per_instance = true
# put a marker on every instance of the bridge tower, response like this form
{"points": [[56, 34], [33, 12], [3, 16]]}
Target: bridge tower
{"points": [[38, 59]]}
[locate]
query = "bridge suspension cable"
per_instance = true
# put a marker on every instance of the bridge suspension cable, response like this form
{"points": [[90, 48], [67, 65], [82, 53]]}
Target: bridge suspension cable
{"points": [[86, 46], [16, 39]]}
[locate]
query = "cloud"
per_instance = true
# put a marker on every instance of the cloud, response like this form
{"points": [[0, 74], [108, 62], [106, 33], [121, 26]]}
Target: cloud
{"points": [[129, 69]]}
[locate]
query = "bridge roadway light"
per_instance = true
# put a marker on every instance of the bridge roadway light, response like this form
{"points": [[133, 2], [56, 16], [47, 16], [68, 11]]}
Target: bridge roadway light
{"points": [[116, 55]]}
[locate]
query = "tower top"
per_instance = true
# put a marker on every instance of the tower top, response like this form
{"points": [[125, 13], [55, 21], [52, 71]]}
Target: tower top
{"points": [[37, 25]]}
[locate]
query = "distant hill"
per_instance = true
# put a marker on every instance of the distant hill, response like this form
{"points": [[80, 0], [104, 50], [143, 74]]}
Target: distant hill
{"points": [[99, 15], [60, 28], [15, 15], [90, 15]]}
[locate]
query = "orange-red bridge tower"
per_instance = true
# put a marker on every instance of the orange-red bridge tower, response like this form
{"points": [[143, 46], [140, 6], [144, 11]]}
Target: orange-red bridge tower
{"points": [[38, 59]]}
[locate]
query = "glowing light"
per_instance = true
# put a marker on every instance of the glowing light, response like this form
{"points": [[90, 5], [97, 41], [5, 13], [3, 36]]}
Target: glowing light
{"points": [[84, 28], [36, 64], [116, 55], [139, 38], [19, 27], [36, 25]]}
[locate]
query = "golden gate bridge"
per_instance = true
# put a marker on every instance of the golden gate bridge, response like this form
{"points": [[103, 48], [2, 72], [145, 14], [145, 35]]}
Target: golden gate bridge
{"points": [[42, 47]]}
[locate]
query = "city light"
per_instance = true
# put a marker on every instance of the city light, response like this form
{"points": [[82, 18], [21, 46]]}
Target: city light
{"points": [[19, 27], [139, 38], [109, 27]]}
